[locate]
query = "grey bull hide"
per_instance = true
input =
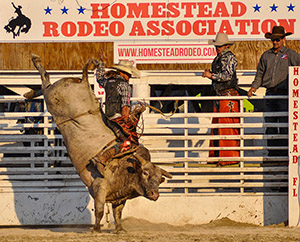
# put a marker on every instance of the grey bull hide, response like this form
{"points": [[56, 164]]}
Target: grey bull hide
{"points": [[75, 110]]}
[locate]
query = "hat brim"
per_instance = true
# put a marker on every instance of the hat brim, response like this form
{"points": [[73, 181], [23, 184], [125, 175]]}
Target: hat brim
{"points": [[128, 69], [276, 36], [216, 43]]}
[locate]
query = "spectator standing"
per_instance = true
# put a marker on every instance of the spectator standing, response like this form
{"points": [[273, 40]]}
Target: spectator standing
{"points": [[225, 83], [272, 73]]}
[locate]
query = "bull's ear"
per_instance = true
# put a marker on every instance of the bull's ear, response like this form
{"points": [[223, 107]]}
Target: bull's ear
{"points": [[165, 173], [162, 180]]}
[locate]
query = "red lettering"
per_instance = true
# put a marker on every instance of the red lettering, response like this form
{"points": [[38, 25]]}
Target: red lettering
{"points": [[295, 137], [138, 10], [295, 115], [153, 25], [295, 149], [221, 10], [173, 10], [116, 28], [295, 92], [197, 27], [289, 27], [296, 82], [103, 10], [225, 27], [157, 10], [84, 28], [118, 10], [295, 159], [101, 28], [296, 71], [50, 29], [295, 179], [137, 29], [295, 103], [68, 29], [204, 10], [211, 27], [267, 25], [295, 192], [188, 9], [183, 27], [255, 26], [295, 125], [167, 28], [242, 25], [238, 9]]}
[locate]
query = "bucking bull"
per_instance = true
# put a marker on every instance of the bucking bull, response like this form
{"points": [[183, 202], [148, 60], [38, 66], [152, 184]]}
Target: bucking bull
{"points": [[75, 111]]}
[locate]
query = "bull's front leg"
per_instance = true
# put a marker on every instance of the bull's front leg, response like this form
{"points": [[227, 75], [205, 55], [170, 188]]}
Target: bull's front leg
{"points": [[100, 191], [117, 211]]}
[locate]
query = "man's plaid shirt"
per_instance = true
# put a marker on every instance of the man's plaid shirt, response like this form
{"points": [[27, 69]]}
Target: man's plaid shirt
{"points": [[123, 87]]}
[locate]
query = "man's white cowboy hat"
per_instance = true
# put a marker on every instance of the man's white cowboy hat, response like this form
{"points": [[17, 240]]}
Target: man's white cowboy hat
{"points": [[221, 39], [127, 66]]}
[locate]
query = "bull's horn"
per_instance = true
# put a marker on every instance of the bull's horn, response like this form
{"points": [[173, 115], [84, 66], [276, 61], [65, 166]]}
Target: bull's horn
{"points": [[140, 159], [165, 173]]}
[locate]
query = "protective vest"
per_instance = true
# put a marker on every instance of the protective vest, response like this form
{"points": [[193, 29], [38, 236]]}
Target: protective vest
{"points": [[113, 96], [223, 85]]}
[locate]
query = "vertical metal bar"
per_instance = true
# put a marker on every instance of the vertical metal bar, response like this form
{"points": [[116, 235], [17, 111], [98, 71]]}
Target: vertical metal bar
{"points": [[45, 142], [242, 143], [186, 142]]}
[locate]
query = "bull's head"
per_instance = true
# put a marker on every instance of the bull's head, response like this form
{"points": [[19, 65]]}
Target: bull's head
{"points": [[151, 176]]}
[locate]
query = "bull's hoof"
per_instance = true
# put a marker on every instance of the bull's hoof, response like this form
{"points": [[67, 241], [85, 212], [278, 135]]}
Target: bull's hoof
{"points": [[96, 229], [120, 231], [29, 95]]}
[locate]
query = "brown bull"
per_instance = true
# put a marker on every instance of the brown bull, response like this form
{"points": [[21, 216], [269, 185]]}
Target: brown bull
{"points": [[75, 110]]}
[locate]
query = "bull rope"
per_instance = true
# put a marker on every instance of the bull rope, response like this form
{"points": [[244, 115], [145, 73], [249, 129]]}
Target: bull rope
{"points": [[93, 112]]}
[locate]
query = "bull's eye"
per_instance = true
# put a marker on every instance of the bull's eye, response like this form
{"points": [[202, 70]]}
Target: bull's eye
{"points": [[145, 173]]}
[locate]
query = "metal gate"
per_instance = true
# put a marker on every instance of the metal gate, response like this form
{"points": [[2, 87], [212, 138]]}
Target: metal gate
{"points": [[34, 160]]}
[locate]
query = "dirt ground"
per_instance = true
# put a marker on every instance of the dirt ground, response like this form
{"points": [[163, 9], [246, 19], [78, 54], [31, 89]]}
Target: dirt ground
{"points": [[142, 231]]}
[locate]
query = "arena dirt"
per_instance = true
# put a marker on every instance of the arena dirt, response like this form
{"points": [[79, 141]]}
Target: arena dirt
{"points": [[142, 231]]}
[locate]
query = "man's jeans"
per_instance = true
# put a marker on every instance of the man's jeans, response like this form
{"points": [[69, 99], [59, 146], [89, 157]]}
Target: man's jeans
{"points": [[273, 106]]}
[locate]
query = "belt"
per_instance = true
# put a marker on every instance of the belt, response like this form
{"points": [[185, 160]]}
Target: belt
{"points": [[228, 92], [277, 90]]}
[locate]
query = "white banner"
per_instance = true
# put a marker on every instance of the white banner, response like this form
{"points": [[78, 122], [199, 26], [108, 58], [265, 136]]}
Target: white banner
{"points": [[110, 20], [294, 146], [164, 52]]}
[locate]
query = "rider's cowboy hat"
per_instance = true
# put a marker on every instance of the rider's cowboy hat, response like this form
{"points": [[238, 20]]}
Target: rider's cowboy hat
{"points": [[277, 32], [126, 66], [221, 39]]}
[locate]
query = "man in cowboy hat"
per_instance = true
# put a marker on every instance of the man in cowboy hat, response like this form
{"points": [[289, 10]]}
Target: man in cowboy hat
{"points": [[117, 103], [272, 73], [117, 88], [225, 83]]}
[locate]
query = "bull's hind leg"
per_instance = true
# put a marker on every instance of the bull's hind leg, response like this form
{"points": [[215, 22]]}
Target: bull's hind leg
{"points": [[100, 190], [36, 60]]}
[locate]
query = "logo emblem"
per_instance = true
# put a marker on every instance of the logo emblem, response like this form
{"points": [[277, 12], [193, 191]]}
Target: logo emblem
{"points": [[19, 24]]}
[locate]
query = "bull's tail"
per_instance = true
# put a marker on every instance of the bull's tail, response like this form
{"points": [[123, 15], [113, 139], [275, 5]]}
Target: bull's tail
{"points": [[36, 60]]}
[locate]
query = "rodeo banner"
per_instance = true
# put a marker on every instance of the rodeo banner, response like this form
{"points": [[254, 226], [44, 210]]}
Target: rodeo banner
{"points": [[294, 149], [113, 20]]}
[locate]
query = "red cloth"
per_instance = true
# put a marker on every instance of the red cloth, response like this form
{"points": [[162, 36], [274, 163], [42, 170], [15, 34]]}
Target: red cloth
{"points": [[225, 106]]}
